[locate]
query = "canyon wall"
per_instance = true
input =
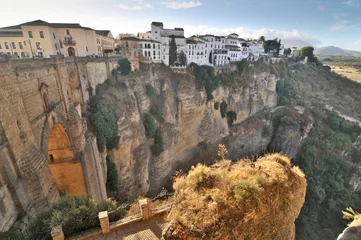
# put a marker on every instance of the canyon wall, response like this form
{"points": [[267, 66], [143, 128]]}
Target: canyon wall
{"points": [[188, 119]]}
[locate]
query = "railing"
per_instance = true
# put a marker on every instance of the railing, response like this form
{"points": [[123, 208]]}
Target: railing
{"points": [[69, 42]]}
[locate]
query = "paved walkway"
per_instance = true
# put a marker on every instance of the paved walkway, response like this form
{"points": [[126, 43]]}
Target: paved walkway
{"points": [[148, 230]]}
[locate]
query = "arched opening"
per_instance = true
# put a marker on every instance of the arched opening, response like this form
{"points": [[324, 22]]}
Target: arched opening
{"points": [[65, 169], [71, 52], [75, 88]]}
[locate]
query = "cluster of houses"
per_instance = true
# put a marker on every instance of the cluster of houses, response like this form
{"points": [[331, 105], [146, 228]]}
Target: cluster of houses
{"points": [[153, 46], [42, 39]]}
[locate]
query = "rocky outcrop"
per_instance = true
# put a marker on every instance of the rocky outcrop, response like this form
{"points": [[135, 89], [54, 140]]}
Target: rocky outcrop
{"points": [[353, 232], [245, 200], [188, 119]]}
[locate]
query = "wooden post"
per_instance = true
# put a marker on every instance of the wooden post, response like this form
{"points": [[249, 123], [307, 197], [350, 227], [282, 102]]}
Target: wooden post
{"points": [[104, 222], [57, 233]]}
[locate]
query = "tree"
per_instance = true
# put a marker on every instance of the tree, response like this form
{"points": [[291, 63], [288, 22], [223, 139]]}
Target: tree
{"points": [[112, 176], [287, 51], [157, 147], [182, 58], [172, 51], [125, 66], [118, 48], [210, 58], [262, 39], [278, 48], [308, 52]]}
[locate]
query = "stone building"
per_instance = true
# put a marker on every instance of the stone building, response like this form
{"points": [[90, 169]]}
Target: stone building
{"points": [[105, 42], [46, 149], [42, 39]]}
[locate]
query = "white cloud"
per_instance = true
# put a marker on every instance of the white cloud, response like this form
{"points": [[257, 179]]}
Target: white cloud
{"points": [[254, 33], [349, 3], [341, 26], [136, 6], [182, 4]]}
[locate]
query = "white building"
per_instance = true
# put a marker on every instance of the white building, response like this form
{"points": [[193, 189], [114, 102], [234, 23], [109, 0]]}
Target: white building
{"points": [[197, 52], [164, 36], [146, 35], [150, 50]]}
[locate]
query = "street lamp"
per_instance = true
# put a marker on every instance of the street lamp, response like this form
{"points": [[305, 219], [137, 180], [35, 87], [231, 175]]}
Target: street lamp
{"points": [[31, 48]]}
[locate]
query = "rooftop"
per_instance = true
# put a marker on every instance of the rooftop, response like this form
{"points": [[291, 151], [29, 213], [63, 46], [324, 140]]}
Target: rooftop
{"points": [[43, 23], [158, 24], [104, 33]]}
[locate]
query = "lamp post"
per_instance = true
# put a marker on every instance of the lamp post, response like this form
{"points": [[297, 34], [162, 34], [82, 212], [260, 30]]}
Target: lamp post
{"points": [[31, 48]]}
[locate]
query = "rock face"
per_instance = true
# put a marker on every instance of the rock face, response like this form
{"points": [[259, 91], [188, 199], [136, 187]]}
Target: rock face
{"points": [[244, 200], [353, 232], [187, 120]]}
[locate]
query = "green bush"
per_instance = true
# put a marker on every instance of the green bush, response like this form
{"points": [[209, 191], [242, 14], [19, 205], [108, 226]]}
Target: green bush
{"points": [[149, 125], [246, 190], [203, 145], [231, 117], [328, 171], [205, 79], [104, 121], [157, 147], [156, 103], [125, 66], [74, 214], [267, 131], [216, 105], [112, 176], [223, 109]]}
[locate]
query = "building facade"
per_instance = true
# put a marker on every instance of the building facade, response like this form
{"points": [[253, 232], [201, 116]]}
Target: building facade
{"points": [[39, 39], [105, 42]]}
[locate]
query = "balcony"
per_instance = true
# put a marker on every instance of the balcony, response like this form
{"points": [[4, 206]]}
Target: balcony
{"points": [[68, 41]]}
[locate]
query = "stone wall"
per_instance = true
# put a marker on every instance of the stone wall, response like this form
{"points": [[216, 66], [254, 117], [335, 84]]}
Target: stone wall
{"points": [[35, 95]]}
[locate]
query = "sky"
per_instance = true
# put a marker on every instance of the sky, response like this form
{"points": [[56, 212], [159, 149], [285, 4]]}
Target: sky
{"points": [[318, 22]]}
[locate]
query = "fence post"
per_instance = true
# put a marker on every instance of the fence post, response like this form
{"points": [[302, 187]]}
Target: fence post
{"points": [[104, 222], [144, 208], [57, 233]]}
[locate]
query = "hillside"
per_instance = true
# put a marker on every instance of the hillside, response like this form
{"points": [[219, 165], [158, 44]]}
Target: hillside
{"points": [[336, 51], [245, 200]]}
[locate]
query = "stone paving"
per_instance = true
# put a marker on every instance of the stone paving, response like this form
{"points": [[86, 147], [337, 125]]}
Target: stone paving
{"points": [[147, 230]]}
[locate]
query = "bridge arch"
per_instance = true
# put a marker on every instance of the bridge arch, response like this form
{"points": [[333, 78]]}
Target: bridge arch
{"points": [[66, 170]]}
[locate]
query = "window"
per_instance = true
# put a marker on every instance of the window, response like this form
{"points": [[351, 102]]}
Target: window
{"points": [[38, 45], [41, 34], [13, 45], [153, 45], [126, 44], [86, 48], [40, 54], [56, 46], [54, 35], [16, 54], [60, 44], [153, 53], [22, 54], [20, 45], [30, 34], [67, 32], [0, 46]]}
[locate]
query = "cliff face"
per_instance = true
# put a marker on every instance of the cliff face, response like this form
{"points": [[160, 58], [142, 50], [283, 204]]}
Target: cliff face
{"points": [[187, 120]]}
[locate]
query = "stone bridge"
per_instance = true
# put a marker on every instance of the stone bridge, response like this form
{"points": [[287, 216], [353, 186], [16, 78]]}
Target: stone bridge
{"points": [[45, 148]]}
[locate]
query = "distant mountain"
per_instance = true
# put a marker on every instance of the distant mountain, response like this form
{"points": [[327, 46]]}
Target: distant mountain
{"points": [[288, 43], [336, 51]]}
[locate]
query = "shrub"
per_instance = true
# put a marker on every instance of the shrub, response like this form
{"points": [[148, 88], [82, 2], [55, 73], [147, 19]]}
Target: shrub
{"points": [[205, 79], [223, 109], [74, 214], [112, 176], [246, 190], [267, 131], [124, 67], [149, 124], [104, 121], [231, 117], [157, 147], [216, 105], [156, 102], [203, 145]]}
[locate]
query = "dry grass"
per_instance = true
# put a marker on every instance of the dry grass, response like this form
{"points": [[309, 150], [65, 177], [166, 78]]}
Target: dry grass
{"points": [[347, 71], [245, 200]]}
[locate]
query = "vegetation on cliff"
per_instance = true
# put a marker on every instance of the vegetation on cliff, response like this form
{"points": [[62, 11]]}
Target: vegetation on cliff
{"points": [[74, 214], [245, 200]]}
